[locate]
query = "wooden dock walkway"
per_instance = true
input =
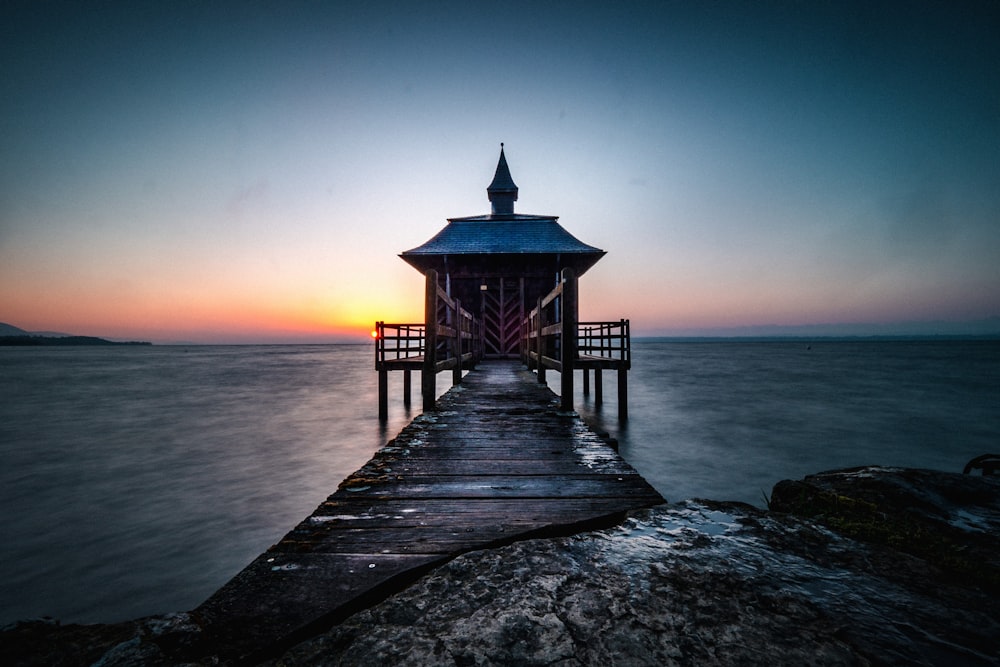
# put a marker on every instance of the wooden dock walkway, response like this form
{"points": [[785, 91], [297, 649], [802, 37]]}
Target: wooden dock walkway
{"points": [[497, 461]]}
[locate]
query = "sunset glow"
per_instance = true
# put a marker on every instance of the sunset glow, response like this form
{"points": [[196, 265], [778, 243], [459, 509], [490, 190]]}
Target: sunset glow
{"points": [[249, 173]]}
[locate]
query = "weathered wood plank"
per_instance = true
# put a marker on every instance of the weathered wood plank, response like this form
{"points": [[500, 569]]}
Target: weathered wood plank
{"points": [[485, 465], [497, 461], [339, 504], [445, 512], [587, 361], [410, 540], [531, 447], [502, 486], [280, 599], [412, 363]]}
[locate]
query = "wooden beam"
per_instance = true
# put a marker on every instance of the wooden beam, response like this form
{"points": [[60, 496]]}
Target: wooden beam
{"points": [[569, 306], [429, 371], [622, 394], [456, 345], [383, 393], [540, 344]]}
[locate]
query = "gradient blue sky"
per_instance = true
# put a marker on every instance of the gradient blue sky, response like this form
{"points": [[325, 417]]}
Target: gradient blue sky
{"points": [[248, 172]]}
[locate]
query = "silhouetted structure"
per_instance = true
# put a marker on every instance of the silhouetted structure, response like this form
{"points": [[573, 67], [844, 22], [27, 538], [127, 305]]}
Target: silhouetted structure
{"points": [[502, 460], [483, 473], [503, 285], [498, 265]]}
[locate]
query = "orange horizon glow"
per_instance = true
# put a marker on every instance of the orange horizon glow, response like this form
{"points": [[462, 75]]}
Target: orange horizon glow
{"points": [[270, 199], [337, 315], [215, 320]]}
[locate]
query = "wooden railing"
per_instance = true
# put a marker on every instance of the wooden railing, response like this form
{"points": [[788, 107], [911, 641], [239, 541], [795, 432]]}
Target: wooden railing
{"points": [[605, 342], [398, 343], [450, 338], [552, 338], [549, 334]]}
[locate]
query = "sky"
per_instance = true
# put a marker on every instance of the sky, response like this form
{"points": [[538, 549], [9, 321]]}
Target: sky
{"points": [[219, 172]]}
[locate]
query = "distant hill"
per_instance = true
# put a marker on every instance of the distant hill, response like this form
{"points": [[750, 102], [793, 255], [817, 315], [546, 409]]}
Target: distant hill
{"points": [[9, 330], [11, 335], [28, 340]]}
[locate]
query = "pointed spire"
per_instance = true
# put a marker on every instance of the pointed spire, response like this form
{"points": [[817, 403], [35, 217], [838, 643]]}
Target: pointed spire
{"points": [[502, 191]]}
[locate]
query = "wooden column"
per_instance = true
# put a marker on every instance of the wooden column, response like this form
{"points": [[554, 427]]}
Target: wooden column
{"points": [[523, 349], [520, 308], [626, 354], [586, 382], [598, 387], [407, 385], [539, 343], [456, 344], [568, 337], [383, 393], [383, 372], [622, 393], [427, 387]]}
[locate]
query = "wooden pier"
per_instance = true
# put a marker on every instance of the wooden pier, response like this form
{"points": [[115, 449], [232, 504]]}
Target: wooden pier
{"points": [[550, 337], [498, 460], [485, 275]]}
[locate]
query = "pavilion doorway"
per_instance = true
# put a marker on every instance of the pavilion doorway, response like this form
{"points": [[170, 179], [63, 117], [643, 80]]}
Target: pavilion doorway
{"points": [[503, 312]]}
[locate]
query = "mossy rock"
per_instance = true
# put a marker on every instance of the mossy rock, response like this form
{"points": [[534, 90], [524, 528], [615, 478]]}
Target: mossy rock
{"points": [[946, 519]]}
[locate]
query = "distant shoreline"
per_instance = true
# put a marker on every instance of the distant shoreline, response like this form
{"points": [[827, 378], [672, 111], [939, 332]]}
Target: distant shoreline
{"points": [[36, 341], [799, 338]]}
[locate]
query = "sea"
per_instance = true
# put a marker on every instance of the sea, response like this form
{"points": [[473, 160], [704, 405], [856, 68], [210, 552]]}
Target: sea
{"points": [[136, 480]]}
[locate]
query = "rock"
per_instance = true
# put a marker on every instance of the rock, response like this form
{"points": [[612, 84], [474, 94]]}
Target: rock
{"points": [[951, 521], [693, 583], [47, 642], [868, 566], [151, 642]]}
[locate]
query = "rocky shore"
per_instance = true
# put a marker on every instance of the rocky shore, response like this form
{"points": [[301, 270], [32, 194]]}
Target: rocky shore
{"points": [[865, 566]]}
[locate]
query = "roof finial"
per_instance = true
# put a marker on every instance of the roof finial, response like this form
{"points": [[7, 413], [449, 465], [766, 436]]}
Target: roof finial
{"points": [[502, 191]]}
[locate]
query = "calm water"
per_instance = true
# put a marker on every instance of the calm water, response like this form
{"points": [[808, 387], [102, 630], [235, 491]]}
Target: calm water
{"points": [[726, 421], [136, 481]]}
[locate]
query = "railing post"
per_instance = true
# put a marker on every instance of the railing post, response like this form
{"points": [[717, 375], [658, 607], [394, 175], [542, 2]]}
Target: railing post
{"points": [[622, 393], [521, 342], [477, 333], [529, 345], [427, 374], [539, 344], [383, 372], [456, 344], [526, 333], [568, 305], [626, 344], [383, 393]]}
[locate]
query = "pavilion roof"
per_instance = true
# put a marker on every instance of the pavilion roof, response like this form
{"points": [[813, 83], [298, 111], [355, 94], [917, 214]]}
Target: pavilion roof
{"points": [[503, 234]]}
